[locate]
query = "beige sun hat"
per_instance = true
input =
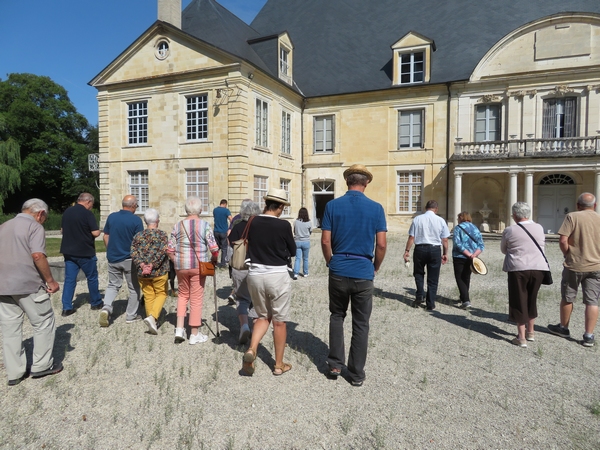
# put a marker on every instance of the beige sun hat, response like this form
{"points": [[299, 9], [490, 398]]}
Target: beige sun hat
{"points": [[277, 195], [360, 169], [478, 267]]}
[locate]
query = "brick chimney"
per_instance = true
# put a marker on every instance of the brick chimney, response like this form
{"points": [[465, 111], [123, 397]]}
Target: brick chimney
{"points": [[170, 11]]}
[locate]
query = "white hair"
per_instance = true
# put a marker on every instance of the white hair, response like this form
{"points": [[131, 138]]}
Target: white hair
{"points": [[35, 205], [521, 210], [151, 216], [193, 206]]}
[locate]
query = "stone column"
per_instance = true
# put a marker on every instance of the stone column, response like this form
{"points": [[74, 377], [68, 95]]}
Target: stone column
{"points": [[457, 194], [529, 189], [512, 196]]}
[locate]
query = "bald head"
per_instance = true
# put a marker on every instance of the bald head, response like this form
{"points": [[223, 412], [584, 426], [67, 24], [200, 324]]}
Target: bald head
{"points": [[586, 201], [130, 203]]}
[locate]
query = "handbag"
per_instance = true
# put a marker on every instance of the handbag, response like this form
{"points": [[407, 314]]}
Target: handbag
{"points": [[238, 259], [206, 269], [547, 280], [477, 265]]}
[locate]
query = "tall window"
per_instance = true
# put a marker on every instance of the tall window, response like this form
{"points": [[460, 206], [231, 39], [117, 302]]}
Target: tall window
{"points": [[262, 123], [412, 67], [196, 184], [560, 118], [285, 185], [137, 122], [138, 186], [260, 189], [487, 123], [286, 125], [324, 134], [410, 186], [284, 67], [410, 128], [197, 117]]}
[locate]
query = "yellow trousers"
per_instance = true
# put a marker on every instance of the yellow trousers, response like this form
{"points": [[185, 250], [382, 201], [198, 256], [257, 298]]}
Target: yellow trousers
{"points": [[155, 294]]}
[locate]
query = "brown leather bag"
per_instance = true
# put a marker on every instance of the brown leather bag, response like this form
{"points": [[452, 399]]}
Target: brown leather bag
{"points": [[206, 269]]}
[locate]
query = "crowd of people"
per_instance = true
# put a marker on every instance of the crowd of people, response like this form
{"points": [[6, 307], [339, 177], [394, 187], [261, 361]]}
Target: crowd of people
{"points": [[353, 243]]}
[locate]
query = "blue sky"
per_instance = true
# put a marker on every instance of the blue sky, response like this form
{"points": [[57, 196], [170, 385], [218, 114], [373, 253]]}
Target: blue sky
{"points": [[71, 41]]}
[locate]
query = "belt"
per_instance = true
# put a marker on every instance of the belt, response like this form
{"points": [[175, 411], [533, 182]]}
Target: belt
{"points": [[427, 245], [349, 255]]}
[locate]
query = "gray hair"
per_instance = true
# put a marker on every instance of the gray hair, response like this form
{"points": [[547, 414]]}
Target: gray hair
{"points": [[85, 197], [193, 206], [151, 216], [357, 179], [249, 209], [586, 200], [521, 210], [35, 205]]}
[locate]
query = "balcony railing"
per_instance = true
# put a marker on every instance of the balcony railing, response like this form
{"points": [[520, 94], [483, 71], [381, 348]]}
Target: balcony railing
{"points": [[588, 145]]}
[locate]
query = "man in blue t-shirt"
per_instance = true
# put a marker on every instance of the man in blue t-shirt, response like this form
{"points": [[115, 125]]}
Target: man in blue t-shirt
{"points": [[352, 225], [222, 217], [119, 230]]}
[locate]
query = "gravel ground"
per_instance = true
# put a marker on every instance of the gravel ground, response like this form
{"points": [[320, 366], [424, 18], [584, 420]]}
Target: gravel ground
{"points": [[443, 380]]}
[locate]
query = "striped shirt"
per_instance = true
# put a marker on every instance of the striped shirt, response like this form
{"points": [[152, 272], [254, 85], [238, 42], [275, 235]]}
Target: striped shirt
{"points": [[191, 239]]}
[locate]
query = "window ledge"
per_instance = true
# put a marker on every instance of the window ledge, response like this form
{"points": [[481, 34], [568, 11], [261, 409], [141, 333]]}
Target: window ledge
{"points": [[199, 141], [262, 149], [286, 156], [137, 146], [404, 149], [332, 152]]}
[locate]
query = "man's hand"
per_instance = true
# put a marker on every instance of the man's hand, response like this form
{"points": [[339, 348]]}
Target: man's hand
{"points": [[52, 287], [444, 259]]}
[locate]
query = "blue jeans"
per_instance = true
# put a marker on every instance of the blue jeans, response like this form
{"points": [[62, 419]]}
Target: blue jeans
{"points": [[430, 257], [359, 293], [90, 269], [302, 248]]}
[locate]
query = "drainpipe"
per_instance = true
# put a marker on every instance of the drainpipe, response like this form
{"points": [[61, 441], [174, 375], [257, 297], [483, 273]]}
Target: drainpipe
{"points": [[448, 152], [302, 151]]}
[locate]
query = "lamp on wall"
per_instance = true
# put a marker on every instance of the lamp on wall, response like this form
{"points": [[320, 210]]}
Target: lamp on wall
{"points": [[218, 93], [251, 76]]}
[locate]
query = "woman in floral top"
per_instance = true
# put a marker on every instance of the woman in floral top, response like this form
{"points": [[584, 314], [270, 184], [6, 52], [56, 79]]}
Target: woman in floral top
{"points": [[191, 240], [149, 255]]}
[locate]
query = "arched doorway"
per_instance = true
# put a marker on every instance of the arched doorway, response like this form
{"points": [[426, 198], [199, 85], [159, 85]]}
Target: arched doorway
{"points": [[556, 198], [323, 192]]}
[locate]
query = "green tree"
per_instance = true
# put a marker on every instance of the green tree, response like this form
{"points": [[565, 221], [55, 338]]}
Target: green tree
{"points": [[10, 166], [51, 134]]}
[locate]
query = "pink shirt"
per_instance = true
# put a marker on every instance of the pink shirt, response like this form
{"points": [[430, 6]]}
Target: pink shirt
{"points": [[192, 243]]}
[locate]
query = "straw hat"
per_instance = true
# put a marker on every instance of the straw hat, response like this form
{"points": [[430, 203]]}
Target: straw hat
{"points": [[360, 169], [478, 267], [277, 195]]}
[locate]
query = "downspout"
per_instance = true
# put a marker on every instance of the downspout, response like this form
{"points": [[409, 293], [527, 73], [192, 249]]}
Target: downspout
{"points": [[302, 151], [448, 152]]}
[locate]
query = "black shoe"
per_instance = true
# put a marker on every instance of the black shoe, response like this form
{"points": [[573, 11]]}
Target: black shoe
{"points": [[67, 312], [18, 380], [56, 367], [97, 307], [559, 330], [430, 308], [417, 303], [357, 383]]}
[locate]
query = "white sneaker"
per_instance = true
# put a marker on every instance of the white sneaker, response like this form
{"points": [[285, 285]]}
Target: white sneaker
{"points": [[151, 324], [197, 338], [305, 275], [179, 335], [104, 318], [245, 334]]}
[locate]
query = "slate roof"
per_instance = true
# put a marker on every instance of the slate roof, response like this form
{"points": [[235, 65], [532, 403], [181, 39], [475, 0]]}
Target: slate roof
{"points": [[343, 46]]}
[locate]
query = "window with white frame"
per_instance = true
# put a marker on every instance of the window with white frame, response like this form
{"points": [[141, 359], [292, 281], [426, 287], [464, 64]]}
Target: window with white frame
{"points": [[560, 118], [412, 67], [410, 187], [285, 185], [262, 123], [324, 134], [196, 185], [197, 117], [284, 67], [286, 139], [137, 123], [138, 186], [487, 123], [410, 128], [260, 188]]}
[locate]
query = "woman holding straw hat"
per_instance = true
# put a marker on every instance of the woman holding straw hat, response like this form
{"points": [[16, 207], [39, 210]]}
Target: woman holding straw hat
{"points": [[468, 244]]}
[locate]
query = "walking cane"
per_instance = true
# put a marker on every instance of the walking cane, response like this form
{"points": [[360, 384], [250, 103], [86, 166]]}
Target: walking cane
{"points": [[216, 305]]}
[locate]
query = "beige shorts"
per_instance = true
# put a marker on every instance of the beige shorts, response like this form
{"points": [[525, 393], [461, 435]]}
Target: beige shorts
{"points": [[271, 295], [590, 286]]}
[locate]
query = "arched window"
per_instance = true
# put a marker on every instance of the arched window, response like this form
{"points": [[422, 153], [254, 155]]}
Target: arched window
{"points": [[556, 178]]}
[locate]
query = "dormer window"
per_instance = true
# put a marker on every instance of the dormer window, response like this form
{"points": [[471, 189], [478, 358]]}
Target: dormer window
{"points": [[412, 59], [283, 61]]}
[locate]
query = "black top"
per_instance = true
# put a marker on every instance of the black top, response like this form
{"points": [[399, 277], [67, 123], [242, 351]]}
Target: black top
{"points": [[237, 231], [77, 226], [270, 241]]}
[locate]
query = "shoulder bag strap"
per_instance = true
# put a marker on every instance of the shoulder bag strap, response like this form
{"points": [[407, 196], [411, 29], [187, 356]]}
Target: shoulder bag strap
{"points": [[536, 244], [467, 233], [247, 229]]}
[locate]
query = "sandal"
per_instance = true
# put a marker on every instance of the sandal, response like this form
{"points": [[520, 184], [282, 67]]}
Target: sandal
{"points": [[248, 362], [334, 373], [280, 370]]}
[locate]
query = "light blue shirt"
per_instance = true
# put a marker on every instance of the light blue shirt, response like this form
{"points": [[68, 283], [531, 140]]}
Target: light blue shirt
{"points": [[429, 228]]}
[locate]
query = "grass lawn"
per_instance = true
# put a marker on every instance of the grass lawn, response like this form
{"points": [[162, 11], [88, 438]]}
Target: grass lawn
{"points": [[53, 247]]}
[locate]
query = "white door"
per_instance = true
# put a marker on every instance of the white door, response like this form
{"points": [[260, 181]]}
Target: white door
{"points": [[554, 202]]}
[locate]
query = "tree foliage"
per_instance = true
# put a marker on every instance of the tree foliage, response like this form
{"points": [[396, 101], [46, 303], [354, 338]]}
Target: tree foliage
{"points": [[54, 140], [10, 166]]}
